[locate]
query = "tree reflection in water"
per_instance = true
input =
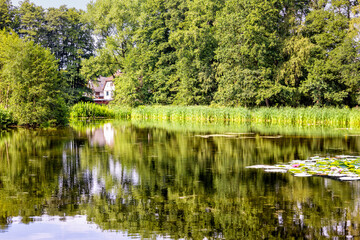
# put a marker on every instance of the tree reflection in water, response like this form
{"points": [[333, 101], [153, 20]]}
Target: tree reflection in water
{"points": [[161, 179]]}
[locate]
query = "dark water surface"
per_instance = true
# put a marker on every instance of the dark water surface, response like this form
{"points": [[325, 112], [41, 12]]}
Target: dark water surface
{"points": [[124, 180]]}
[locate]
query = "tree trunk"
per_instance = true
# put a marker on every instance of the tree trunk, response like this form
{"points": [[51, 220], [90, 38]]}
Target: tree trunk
{"points": [[267, 102]]}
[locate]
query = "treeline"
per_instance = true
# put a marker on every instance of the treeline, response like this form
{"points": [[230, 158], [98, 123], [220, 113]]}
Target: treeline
{"points": [[41, 51], [233, 53], [245, 53]]}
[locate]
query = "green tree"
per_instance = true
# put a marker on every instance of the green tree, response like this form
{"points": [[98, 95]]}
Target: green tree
{"points": [[33, 85], [5, 17], [333, 66], [69, 38], [114, 23], [195, 42], [249, 52], [156, 57], [31, 21], [9, 17]]}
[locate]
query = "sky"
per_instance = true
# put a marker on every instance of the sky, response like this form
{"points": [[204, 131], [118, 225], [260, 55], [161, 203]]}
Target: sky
{"points": [[79, 4]]}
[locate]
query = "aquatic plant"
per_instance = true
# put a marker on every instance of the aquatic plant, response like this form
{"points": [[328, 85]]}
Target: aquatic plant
{"points": [[344, 168], [91, 110], [335, 117], [339, 117], [121, 112]]}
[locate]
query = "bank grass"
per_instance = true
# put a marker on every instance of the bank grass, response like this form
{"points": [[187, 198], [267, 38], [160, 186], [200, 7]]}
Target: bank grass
{"points": [[326, 116], [90, 110], [121, 112], [329, 116], [191, 113]]}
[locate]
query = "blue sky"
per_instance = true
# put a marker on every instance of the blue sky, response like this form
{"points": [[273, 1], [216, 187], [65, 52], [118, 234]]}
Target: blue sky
{"points": [[79, 4]]}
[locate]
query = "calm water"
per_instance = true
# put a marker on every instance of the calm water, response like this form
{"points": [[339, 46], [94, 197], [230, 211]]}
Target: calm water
{"points": [[124, 180]]}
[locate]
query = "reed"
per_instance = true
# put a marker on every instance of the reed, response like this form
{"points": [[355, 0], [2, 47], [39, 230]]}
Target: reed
{"points": [[91, 110], [328, 116], [121, 112]]}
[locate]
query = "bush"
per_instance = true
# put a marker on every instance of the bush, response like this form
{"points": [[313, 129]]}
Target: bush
{"points": [[6, 118]]}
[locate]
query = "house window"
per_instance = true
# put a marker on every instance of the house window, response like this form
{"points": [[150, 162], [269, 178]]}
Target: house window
{"points": [[107, 93]]}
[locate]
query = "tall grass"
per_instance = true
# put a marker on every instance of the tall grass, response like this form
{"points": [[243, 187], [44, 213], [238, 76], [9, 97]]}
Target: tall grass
{"points": [[192, 113], [340, 117], [90, 110], [337, 117], [121, 112]]}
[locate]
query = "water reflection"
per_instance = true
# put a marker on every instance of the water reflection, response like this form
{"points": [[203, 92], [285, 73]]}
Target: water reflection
{"points": [[101, 136], [146, 180], [50, 227]]}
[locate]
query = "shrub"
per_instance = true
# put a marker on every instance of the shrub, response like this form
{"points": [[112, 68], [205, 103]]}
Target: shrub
{"points": [[6, 118]]}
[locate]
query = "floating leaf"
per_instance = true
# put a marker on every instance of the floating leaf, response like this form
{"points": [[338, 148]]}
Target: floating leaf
{"points": [[343, 168]]}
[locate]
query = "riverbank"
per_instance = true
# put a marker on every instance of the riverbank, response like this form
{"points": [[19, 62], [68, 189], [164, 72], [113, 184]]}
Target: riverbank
{"points": [[336, 117]]}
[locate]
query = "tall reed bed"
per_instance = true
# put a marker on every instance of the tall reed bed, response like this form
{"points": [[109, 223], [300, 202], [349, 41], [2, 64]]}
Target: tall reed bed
{"points": [[340, 117], [307, 116], [121, 112], [91, 110], [191, 113]]}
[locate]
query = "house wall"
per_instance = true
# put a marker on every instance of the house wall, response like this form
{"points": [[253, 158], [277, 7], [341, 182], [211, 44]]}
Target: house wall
{"points": [[109, 91]]}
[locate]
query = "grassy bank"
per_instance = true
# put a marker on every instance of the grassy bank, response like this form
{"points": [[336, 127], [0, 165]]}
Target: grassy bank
{"points": [[343, 117]]}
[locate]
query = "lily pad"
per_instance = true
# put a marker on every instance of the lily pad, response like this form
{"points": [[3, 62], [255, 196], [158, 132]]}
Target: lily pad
{"points": [[343, 168], [276, 170]]}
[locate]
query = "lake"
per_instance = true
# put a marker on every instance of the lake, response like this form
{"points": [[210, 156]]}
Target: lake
{"points": [[163, 180]]}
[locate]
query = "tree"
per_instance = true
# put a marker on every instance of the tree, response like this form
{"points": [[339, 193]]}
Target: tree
{"points": [[9, 17], [114, 23], [33, 85], [236, 53], [248, 52], [31, 21], [66, 34], [333, 65], [69, 38], [195, 42], [5, 17], [156, 57]]}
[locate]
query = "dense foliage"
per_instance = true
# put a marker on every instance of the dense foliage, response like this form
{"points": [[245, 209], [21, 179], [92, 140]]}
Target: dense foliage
{"points": [[202, 52], [65, 34], [38, 85], [5, 118], [62, 30], [29, 83], [237, 52]]}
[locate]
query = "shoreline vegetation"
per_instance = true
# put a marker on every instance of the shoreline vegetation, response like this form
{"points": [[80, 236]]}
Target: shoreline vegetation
{"points": [[326, 116], [179, 53], [302, 116]]}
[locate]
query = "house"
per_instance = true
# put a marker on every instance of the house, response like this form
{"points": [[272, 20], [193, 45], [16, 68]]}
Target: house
{"points": [[103, 88]]}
